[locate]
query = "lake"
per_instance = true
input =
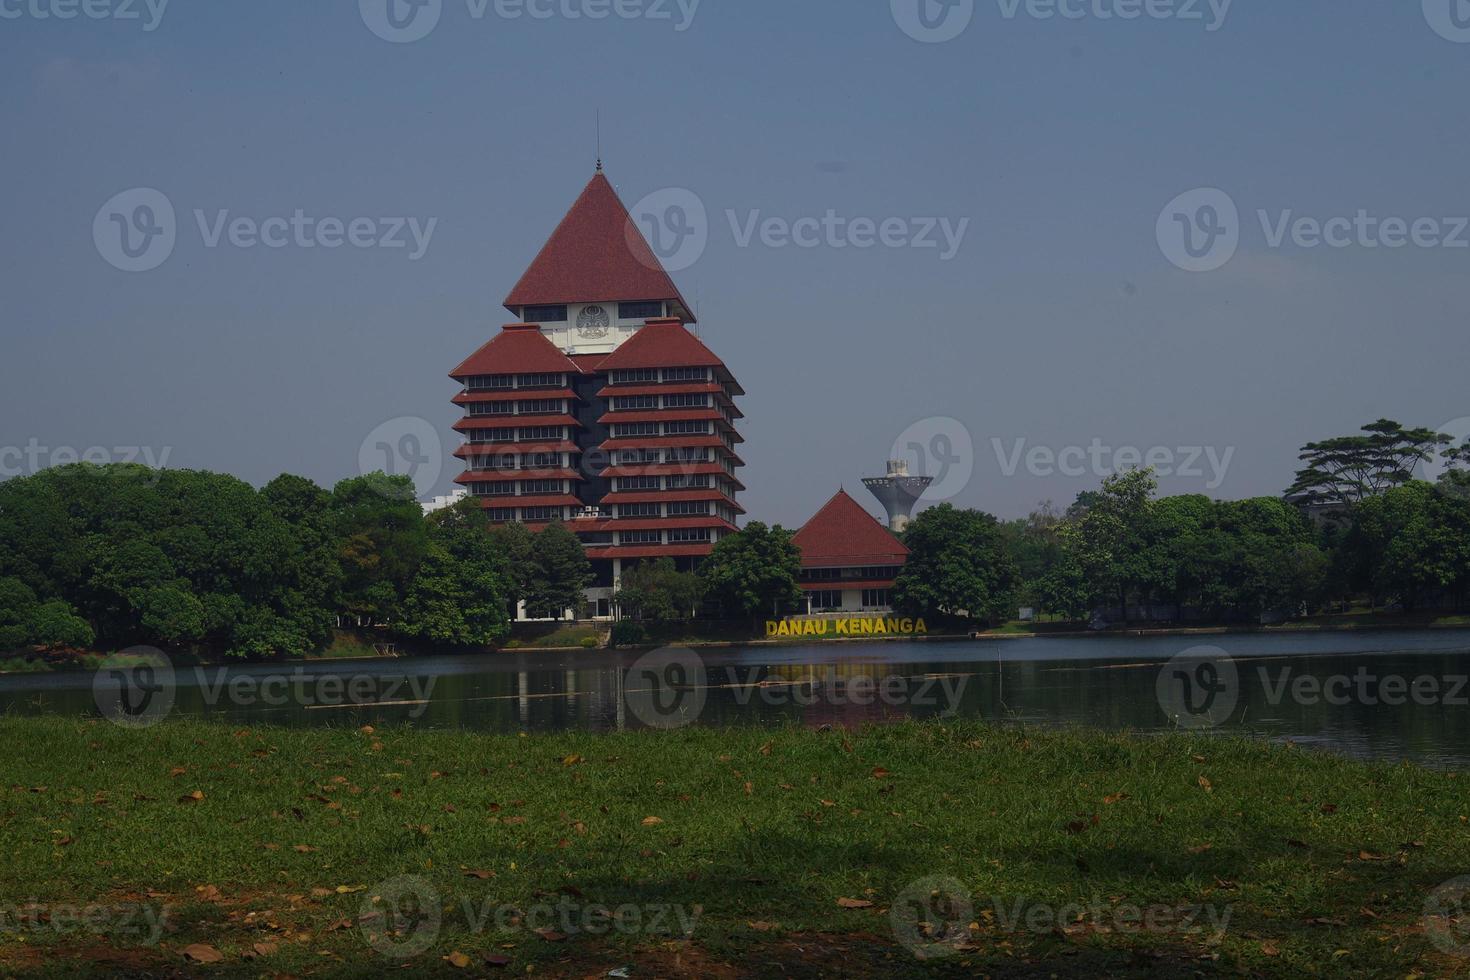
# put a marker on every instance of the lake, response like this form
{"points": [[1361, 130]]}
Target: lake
{"points": [[1393, 695]]}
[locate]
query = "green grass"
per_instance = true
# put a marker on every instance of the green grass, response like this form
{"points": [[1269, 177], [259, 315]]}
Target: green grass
{"points": [[1322, 864], [558, 635]]}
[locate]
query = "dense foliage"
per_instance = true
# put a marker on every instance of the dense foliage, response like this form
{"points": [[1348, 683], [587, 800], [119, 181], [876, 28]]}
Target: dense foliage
{"points": [[121, 555]]}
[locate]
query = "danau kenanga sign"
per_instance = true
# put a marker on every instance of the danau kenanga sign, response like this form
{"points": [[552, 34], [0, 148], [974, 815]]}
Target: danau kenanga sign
{"points": [[853, 626]]}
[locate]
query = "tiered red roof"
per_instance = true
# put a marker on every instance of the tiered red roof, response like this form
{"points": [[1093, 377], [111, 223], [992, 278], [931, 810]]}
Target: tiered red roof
{"points": [[519, 348], [843, 534], [597, 254], [661, 343]]}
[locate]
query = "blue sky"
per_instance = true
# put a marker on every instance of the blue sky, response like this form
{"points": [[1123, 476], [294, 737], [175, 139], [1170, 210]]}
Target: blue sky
{"points": [[1059, 322]]}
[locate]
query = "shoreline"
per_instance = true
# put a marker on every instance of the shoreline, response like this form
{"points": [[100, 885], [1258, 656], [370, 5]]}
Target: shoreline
{"points": [[764, 643]]}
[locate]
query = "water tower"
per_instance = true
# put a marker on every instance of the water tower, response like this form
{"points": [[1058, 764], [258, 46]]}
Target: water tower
{"points": [[898, 493]]}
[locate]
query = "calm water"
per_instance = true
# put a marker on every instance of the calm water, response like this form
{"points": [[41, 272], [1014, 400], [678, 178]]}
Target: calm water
{"points": [[1111, 683]]}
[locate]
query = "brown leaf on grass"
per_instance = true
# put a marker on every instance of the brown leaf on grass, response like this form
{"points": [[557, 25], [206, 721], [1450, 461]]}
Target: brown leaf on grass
{"points": [[1200, 849], [573, 760], [1077, 826], [763, 926], [1298, 844], [1114, 798], [457, 960], [652, 821], [350, 889], [1269, 948], [480, 875], [177, 771], [550, 935], [366, 729], [264, 949], [766, 749], [1371, 856], [193, 797], [200, 953], [1329, 808], [854, 903], [496, 960], [880, 773], [208, 893], [749, 789], [513, 821], [303, 849], [829, 803], [1206, 785]]}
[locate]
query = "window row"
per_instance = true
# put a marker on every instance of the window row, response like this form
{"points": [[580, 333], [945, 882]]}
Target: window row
{"points": [[503, 382], [638, 376], [548, 406]]}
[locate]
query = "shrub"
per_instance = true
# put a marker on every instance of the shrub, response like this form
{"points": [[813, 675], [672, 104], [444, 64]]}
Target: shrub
{"points": [[628, 634], [589, 643]]}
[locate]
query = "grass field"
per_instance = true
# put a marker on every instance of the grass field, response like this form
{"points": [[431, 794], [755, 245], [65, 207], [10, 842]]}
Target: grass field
{"points": [[776, 851]]}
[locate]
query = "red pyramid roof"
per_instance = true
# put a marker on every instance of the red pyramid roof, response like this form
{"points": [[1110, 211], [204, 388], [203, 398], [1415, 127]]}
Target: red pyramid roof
{"points": [[519, 348], [843, 533], [595, 255], [662, 344]]}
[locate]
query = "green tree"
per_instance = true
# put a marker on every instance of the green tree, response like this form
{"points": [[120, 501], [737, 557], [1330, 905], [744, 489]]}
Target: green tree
{"points": [[958, 566], [754, 571], [460, 594], [657, 591], [558, 573], [17, 609], [1115, 536], [55, 624], [383, 539], [1350, 469]]}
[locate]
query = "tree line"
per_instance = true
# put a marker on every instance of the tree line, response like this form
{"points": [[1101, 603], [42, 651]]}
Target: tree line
{"points": [[121, 555]]}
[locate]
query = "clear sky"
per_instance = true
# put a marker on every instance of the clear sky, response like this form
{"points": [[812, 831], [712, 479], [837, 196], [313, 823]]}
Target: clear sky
{"points": [[1062, 316]]}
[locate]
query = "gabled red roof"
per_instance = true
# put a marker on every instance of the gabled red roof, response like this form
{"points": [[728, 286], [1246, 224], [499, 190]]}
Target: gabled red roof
{"points": [[519, 348], [842, 533], [596, 254], [661, 344]]}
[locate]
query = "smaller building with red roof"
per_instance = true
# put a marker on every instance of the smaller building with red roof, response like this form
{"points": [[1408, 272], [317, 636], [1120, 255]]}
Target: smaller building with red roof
{"points": [[849, 561]]}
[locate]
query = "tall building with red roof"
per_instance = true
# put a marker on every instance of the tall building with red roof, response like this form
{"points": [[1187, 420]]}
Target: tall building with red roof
{"points": [[849, 561], [600, 408]]}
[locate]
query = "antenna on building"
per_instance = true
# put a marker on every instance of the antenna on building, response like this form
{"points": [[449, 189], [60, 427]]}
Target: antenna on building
{"points": [[599, 141]]}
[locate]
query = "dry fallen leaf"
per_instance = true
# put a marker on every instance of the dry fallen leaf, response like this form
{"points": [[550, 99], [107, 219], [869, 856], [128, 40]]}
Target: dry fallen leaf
{"points": [[762, 926], [201, 953], [854, 903], [550, 935], [193, 797], [652, 821], [457, 959]]}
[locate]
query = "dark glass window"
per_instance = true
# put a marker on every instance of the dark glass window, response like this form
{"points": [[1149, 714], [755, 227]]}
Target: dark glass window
{"points": [[544, 314], [640, 311]]}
